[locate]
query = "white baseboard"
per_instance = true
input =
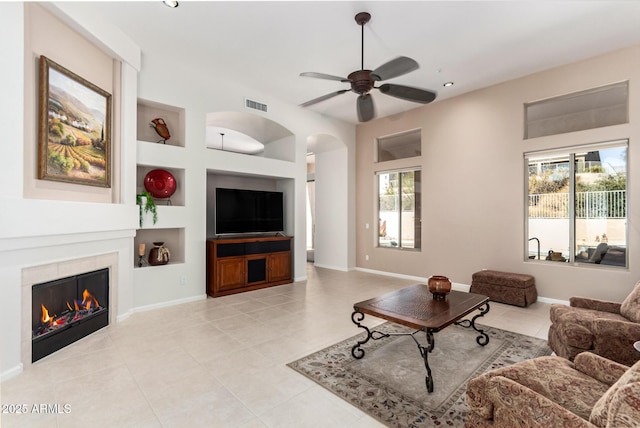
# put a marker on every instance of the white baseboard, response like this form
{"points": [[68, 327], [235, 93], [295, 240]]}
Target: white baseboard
{"points": [[550, 300], [11, 373], [341, 269], [392, 274], [124, 316], [460, 287], [169, 303]]}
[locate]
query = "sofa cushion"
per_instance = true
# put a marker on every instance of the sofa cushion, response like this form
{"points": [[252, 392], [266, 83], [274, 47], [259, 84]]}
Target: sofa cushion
{"points": [[611, 399], [615, 256], [596, 305], [602, 369], [552, 377], [576, 325], [624, 410], [630, 307], [598, 253]]}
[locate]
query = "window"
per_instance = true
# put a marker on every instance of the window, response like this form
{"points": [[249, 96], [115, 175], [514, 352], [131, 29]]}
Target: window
{"points": [[399, 209], [577, 205], [594, 108], [400, 146]]}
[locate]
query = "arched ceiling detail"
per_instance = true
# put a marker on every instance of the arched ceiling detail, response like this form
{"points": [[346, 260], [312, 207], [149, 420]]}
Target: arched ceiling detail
{"points": [[259, 128], [322, 143]]}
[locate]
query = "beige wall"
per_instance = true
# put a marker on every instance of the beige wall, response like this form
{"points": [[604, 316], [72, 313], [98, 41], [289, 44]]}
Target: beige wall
{"points": [[473, 181], [47, 35]]}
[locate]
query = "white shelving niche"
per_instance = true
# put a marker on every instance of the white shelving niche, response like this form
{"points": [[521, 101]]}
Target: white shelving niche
{"points": [[172, 238], [170, 156], [173, 117]]}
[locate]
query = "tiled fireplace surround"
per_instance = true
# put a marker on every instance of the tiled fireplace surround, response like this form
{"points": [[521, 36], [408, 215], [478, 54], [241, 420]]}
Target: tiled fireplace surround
{"points": [[52, 271]]}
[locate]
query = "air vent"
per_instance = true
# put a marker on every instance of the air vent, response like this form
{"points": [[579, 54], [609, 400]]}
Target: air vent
{"points": [[255, 105]]}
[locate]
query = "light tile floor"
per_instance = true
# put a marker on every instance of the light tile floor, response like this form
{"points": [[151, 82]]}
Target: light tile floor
{"points": [[217, 362]]}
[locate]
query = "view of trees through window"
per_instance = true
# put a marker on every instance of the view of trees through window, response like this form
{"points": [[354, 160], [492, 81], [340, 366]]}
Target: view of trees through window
{"points": [[577, 205], [399, 209]]}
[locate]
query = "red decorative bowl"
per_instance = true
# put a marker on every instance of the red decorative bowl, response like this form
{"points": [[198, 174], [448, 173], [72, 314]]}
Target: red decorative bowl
{"points": [[160, 183]]}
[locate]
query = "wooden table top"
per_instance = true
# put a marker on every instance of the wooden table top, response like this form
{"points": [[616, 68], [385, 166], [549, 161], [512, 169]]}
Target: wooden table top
{"points": [[415, 307]]}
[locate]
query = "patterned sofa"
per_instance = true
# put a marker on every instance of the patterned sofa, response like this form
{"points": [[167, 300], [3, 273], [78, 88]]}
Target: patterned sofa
{"points": [[552, 391], [608, 329]]}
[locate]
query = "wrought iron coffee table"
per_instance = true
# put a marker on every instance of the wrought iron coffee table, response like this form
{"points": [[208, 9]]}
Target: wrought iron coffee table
{"points": [[416, 308]]}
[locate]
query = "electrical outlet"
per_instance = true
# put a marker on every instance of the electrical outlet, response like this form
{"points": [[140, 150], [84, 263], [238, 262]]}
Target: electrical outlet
{"points": [[183, 280], [366, 257]]}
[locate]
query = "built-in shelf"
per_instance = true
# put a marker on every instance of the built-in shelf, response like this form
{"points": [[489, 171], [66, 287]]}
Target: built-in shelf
{"points": [[161, 155], [172, 157], [178, 198], [172, 116], [169, 217], [173, 239]]}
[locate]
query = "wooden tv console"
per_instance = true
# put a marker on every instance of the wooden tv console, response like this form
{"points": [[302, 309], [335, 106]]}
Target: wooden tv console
{"points": [[235, 265]]}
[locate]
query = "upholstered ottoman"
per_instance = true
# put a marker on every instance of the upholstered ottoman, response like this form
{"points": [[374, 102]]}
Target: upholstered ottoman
{"points": [[505, 287]]}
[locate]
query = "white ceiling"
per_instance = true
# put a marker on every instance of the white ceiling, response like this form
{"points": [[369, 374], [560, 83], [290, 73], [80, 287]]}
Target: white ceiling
{"points": [[266, 45]]}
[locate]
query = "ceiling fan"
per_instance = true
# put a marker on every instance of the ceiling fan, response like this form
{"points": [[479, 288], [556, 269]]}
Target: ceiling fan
{"points": [[363, 81]]}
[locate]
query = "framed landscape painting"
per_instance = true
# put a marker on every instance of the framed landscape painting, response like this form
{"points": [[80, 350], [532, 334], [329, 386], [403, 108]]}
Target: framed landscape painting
{"points": [[74, 128]]}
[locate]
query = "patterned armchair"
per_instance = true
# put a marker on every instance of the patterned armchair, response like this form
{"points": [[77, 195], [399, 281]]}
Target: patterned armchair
{"points": [[554, 392], [605, 328]]}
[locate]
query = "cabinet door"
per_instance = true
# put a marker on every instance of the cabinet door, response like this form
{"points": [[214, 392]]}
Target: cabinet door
{"points": [[230, 273], [279, 267]]}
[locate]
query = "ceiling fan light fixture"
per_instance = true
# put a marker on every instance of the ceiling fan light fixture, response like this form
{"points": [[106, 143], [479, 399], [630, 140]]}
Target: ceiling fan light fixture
{"points": [[364, 107], [171, 4], [363, 81]]}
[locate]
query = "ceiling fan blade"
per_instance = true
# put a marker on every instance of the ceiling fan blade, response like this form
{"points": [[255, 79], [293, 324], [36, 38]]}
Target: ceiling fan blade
{"points": [[394, 68], [323, 76], [324, 97], [366, 111], [408, 93]]}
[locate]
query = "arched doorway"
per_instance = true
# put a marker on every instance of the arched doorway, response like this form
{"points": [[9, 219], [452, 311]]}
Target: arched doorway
{"points": [[327, 201], [311, 206]]}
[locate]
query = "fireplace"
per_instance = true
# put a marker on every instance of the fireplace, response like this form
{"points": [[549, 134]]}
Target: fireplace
{"points": [[68, 309]]}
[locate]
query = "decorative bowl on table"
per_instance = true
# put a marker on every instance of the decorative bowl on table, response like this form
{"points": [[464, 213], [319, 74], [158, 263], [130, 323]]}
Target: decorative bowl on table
{"points": [[439, 286]]}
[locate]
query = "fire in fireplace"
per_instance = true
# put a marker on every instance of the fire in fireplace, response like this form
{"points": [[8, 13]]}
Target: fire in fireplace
{"points": [[68, 309], [81, 309]]}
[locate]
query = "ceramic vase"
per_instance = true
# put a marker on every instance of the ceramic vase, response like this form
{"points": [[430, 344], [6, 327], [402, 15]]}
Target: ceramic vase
{"points": [[161, 128], [439, 286], [159, 254]]}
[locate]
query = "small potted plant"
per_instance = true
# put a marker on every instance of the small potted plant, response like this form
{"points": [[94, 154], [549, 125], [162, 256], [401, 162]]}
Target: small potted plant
{"points": [[146, 205]]}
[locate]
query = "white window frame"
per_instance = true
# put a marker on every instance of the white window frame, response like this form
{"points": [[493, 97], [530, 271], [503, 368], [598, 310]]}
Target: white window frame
{"points": [[417, 225], [571, 152]]}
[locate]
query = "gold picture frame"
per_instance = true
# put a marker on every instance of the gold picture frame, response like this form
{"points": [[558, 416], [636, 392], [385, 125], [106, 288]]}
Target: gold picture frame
{"points": [[74, 133]]}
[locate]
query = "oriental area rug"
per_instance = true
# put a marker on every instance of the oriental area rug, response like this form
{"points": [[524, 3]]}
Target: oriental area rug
{"points": [[388, 383]]}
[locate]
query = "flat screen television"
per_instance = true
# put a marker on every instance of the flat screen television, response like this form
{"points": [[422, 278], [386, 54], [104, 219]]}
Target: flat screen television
{"points": [[248, 211]]}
